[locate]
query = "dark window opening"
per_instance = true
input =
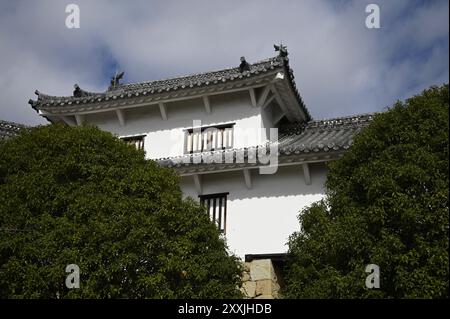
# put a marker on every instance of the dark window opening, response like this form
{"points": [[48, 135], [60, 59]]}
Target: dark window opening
{"points": [[216, 207]]}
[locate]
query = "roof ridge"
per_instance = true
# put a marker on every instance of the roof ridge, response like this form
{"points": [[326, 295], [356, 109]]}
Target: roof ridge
{"points": [[330, 123], [193, 74], [344, 120], [347, 117]]}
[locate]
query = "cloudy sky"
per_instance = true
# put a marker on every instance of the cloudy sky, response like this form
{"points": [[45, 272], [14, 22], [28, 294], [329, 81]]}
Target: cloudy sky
{"points": [[341, 67]]}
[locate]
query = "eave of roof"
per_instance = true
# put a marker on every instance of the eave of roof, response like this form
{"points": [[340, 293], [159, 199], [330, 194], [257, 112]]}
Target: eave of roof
{"points": [[314, 141], [56, 104]]}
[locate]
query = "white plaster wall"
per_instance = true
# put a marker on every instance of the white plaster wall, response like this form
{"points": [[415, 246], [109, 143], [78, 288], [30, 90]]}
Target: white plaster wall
{"points": [[260, 219], [166, 138]]}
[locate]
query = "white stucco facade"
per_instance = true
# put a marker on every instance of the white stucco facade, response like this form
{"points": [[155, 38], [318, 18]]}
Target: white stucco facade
{"points": [[260, 218], [165, 138]]}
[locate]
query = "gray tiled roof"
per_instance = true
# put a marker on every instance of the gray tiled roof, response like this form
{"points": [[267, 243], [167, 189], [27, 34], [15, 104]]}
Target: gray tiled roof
{"points": [[325, 135], [9, 129], [123, 91], [326, 138], [206, 78]]}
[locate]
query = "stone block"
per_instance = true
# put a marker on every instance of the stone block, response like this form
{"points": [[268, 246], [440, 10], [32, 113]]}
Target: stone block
{"points": [[262, 269], [249, 289], [264, 287]]}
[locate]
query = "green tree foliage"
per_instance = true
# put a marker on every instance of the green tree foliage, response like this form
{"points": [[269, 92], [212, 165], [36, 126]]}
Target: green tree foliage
{"points": [[81, 196], [386, 204]]}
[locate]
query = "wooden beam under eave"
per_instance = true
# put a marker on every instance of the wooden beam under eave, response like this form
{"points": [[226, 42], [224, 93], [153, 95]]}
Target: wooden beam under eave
{"points": [[79, 119], [247, 178], [68, 120], [278, 118], [198, 183], [276, 94], [121, 117], [253, 97], [306, 173], [268, 101], [206, 103], [162, 109], [264, 94], [278, 99]]}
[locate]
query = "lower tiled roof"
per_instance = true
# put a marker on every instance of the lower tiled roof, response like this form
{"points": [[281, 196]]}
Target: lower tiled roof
{"points": [[9, 129], [314, 140], [325, 135]]}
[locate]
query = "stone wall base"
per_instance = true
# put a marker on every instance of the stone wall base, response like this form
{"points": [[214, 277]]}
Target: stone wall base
{"points": [[260, 280]]}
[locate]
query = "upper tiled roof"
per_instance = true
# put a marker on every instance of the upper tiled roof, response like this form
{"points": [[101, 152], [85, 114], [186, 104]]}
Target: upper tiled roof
{"points": [[9, 129], [208, 79], [314, 140]]}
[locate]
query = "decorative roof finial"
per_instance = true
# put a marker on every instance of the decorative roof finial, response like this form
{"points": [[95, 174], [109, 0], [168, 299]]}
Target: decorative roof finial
{"points": [[115, 80], [77, 92], [244, 66], [282, 49]]}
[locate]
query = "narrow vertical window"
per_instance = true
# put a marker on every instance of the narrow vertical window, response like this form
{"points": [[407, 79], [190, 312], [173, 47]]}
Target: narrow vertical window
{"points": [[216, 207]]}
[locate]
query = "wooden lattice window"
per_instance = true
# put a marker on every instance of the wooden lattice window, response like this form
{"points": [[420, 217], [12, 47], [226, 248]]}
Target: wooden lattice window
{"points": [[216, 206], [137, 141], [209, 138]]}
